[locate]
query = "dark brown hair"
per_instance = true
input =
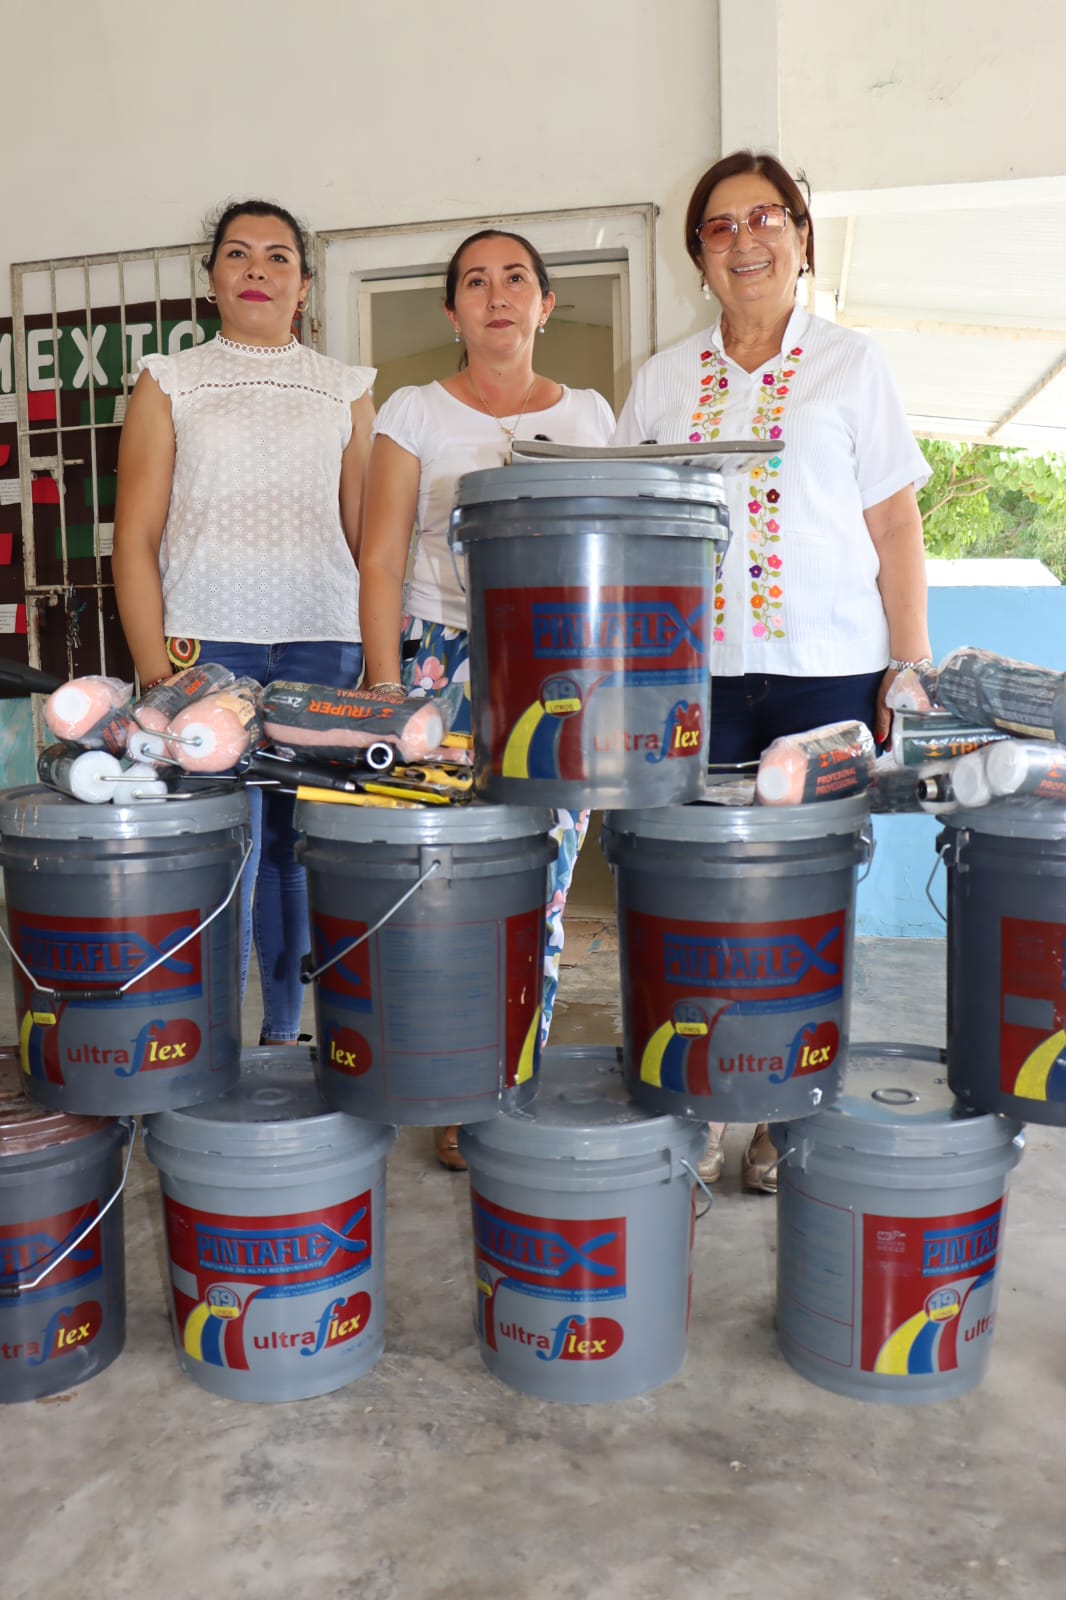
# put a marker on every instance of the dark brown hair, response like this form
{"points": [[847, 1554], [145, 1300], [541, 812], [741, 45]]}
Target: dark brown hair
{"points": [[451, 282], [742, 161], [217, 226]]}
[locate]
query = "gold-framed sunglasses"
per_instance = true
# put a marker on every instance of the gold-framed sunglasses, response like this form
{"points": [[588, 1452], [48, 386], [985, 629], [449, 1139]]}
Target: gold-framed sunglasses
{"points": [[762, 222]]}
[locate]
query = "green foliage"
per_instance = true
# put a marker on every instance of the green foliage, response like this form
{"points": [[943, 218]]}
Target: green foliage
{"points": [[983, 500]]}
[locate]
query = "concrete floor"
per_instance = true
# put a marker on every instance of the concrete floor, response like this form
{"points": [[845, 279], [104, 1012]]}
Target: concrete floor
{"points": [[427, 1478]]}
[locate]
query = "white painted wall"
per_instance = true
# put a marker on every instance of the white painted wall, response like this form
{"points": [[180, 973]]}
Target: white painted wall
{"points": [[921, 91], [122, 122]]}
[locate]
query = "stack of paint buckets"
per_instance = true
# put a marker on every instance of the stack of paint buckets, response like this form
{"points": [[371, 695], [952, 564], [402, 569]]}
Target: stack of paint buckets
{"points": [[591, 592], [736, 930], [122, 924]]}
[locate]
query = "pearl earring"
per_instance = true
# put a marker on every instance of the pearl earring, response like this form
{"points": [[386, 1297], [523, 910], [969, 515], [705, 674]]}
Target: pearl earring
{"points": [[458, 335], [542, 326], [704, 291]]}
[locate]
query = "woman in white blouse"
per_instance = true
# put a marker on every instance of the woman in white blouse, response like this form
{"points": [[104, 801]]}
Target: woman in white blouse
{"points": [[821, 597], [498, 299], [239, 504]]}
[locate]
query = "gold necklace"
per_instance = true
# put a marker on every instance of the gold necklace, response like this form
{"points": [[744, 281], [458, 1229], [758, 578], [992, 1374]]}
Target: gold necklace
{"points": [[510, 432]]}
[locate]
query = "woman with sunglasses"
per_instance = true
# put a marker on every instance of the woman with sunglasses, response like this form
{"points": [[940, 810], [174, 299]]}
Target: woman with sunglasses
{"points": [[821, 597]]}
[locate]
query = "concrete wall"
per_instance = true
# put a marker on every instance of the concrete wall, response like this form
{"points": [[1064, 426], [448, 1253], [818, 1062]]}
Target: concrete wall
{"points": [[926, 91], [124, 122]]}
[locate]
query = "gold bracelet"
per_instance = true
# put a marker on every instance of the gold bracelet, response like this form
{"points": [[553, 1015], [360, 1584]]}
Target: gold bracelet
{"points": [[386, 688]]}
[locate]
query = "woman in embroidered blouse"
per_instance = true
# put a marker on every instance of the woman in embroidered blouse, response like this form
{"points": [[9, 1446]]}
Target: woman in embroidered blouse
{"points": [[822, 594], [497, 298], [239, 503]]}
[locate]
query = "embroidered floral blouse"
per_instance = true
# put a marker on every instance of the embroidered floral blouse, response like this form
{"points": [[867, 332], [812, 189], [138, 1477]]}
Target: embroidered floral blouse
{"points": [[797, 591]]}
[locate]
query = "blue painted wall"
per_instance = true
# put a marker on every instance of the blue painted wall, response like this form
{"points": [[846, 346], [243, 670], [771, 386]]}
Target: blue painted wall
{"points": [[16, 744], [1029, 624]]}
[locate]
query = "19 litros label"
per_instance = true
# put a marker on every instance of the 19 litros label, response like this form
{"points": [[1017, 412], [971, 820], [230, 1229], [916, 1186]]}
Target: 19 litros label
{"points": [[928, 1289], [265, 1293], [549, 1289], [589, 676], [63, 1314], [716, 1000], [1032, 1042]]}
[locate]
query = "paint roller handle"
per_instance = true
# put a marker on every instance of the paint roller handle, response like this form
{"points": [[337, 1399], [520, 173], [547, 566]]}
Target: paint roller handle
{"points": [[20, 679]]}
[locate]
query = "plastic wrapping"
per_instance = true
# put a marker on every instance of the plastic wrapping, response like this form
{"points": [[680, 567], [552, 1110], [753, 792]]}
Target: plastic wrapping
{"points": [[1002, 693], [1021, 766], [156, 709], [217, 732], [918, 738], [92, 712], [315, 720], [87, 775], [824, 764]]}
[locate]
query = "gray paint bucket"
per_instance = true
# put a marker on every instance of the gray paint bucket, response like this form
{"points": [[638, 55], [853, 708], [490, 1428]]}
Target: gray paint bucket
{"points": [[1007, 958], [890, 1213], [435, 1018], [736, 927], [584, 1210], [57, 1174], [591, 589], [275, 1221], [98, 894]]}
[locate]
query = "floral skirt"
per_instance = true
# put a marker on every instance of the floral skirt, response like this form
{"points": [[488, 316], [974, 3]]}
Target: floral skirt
{"points": [[442, 667]]}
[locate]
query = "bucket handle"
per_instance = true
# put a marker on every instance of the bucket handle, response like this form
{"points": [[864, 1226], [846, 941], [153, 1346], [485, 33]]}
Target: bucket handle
{"points": [[452, 544], [308, 976], [929, 890], [869, 843], [107, 994], [11, 1291], [699, 1181]]}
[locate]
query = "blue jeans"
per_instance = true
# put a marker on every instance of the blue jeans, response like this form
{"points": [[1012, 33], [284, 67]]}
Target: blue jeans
{"points": [[749, 712], [274, 888]]}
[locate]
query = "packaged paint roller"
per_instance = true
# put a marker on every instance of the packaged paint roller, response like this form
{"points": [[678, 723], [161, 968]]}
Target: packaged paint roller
{"points": [[319, 721], [156, 709], [969, 781], [1022, 766], [89, 775], [1003, 693], [937, 736], [824, 764], [895, 789], [911, 690], [219, 730], [93, 712]]}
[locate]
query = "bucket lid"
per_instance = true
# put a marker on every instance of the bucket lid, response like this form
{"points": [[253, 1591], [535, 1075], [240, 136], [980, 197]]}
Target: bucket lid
{"points": [[37, 812], [582, 1112], [901, 1105], [703, 822], [274, 1109], [26, 1128], [595, 480], [1014, 817], [473, 823]]}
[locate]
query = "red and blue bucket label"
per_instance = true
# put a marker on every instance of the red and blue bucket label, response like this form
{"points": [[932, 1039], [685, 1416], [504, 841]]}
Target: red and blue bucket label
{"points": [[64, 1314], [583, 677], [61, 1039], [420, 993], [710, 1001], [262, 1294], [928, 1290], [1032, 1035], [548, 1289]]}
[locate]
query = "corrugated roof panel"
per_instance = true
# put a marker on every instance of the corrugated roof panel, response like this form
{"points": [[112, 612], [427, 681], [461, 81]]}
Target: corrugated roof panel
{"points": [[964, 377]]}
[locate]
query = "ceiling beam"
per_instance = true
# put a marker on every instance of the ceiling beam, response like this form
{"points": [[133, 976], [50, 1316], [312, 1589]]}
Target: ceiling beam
{"points": [[1027, 399], [935, 327], [986, 196]]}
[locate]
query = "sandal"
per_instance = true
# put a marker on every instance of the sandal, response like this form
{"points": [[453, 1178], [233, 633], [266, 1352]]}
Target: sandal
{"points": [[446, 1148]]}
